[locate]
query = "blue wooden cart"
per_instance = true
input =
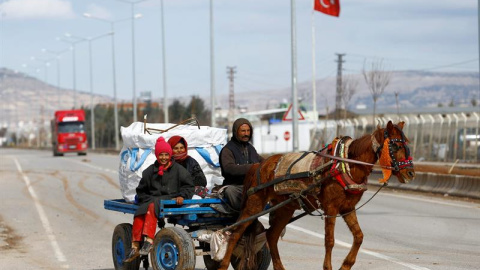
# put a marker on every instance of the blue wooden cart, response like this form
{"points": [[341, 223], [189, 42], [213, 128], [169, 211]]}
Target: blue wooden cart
{"points": [[176, 247]]}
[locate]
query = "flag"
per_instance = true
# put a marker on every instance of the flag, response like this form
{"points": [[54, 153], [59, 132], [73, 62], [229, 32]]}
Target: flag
{"points": [[329, 7]]}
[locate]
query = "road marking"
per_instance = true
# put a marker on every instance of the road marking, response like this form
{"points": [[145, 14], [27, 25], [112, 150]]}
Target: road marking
{"points": [[473, 206], [93, 166], [362, 250], [43, 217]]}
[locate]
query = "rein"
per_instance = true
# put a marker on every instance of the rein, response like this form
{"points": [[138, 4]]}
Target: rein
{"points": [[353, 161], [322, 215]]}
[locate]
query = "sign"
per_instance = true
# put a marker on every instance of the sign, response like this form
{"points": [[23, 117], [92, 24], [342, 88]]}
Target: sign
{"points": [[288, 114], [286, 135]]}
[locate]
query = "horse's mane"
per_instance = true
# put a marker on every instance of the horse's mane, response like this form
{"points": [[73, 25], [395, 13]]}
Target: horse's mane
{"points": [[361, 145]]}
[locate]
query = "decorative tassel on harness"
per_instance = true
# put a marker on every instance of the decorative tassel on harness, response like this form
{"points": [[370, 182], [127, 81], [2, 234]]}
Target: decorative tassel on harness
{"points": [[385, 161]]}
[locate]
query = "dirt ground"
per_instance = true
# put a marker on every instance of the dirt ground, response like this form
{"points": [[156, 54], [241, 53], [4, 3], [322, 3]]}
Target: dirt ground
{"points": [[444, 169]]}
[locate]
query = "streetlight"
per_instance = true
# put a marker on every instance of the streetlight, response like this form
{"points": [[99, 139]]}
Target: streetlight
{"points": [[132, 3], [57, 58], [43, 107], [164, 55], [72, 44], [37, 129], [92, 112], [112, 27]]}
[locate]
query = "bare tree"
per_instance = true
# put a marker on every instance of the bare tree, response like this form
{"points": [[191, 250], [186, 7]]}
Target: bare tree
{"points": [[377, 80], [349, 88]]}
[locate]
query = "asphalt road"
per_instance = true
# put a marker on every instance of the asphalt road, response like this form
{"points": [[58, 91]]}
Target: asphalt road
{"points": [[52, 217]]}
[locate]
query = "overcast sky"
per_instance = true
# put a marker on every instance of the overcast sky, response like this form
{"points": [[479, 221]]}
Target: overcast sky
{"points": [[252, 35]]}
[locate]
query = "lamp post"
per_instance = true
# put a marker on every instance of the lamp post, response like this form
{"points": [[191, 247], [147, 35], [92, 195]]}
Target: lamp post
{"points": [[37, 129], [92, 111], [164, 65], [72, 44], [132, 4], [115, 108], [212, 68], [57, 59], [43, 107]]}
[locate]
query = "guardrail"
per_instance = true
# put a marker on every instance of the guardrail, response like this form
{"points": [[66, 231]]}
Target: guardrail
{"points": [[445, 184]]}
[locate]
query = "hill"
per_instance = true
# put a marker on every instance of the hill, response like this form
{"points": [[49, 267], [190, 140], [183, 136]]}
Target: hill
{"points": [[24, 98], [415, 89]]}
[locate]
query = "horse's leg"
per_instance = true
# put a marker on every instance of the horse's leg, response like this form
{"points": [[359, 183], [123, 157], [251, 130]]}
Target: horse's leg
{"points": [[252, 206], [278, 220], [329, 240], [352, 223]]}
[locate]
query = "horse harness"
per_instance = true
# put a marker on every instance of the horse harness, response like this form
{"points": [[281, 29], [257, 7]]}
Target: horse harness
{"points": [[336, 168], [396, 166]]}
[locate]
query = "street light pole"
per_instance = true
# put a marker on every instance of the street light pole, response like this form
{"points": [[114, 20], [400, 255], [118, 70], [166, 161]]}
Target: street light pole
{"points": [[115, 108], [72, 44], [57, 59], [92, 109], [164, 55], [134, 86], [212, 69]]}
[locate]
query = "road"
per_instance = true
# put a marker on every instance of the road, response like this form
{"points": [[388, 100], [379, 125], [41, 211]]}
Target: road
{"points": [[52, 217]]}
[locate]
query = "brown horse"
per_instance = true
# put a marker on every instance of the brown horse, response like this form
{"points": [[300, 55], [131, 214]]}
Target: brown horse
{"points": [[333, 198]]}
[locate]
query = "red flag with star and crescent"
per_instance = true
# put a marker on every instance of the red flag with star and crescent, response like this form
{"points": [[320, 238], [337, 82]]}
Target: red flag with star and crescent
{"points": [[329, 7]]}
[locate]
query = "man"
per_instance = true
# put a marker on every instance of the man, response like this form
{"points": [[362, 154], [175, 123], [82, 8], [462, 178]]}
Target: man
{"points": [[236, 158]]}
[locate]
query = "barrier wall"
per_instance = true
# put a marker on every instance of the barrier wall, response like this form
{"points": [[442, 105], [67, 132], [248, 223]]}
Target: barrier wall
{"points": [[452, 185]]}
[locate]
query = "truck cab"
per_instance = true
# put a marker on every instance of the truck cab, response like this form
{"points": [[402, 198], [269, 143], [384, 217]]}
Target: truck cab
{"points": [[68, 132]]}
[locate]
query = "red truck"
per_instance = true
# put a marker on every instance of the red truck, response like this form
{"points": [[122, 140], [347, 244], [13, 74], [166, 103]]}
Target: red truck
{"points": [[68, 132]]}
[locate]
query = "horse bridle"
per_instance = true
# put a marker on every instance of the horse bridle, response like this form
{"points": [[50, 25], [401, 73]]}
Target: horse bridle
{"points": [[407, 162]]}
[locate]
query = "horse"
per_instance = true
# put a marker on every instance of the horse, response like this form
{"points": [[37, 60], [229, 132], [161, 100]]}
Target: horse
{"points": [[387, 145]]}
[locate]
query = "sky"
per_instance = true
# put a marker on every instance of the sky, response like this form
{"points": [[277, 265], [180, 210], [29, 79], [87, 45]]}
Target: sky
{"points": [[254, 36]]}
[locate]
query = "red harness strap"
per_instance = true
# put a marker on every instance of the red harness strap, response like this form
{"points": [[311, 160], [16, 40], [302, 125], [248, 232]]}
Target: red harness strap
{"points": [[342, 177]]}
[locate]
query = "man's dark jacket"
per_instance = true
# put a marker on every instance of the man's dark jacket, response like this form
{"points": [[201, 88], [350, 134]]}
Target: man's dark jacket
{"points": [[237, 157]]}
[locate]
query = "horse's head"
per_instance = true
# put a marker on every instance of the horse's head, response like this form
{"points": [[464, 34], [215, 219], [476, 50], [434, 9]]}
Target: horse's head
{"points": [[394, 150]]}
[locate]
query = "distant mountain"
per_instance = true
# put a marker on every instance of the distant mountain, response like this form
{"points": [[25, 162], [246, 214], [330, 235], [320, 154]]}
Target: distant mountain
{"points": [[24, 98], [414, 88]]}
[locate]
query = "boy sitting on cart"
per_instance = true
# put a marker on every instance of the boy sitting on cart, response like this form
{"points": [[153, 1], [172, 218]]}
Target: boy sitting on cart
{"points": [[163, 180]]}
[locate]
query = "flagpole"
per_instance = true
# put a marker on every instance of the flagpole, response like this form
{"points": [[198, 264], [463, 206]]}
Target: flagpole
{"points": [[294, 79], [212, 69], [478, 16], [314, 72]]}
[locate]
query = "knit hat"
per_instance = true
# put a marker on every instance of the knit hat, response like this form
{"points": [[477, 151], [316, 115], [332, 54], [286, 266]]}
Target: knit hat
{"points": [[161, 146]]}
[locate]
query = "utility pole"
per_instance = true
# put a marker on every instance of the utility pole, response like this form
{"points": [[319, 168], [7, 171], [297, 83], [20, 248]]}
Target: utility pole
{"points": [[231, 96], [338, 97]]}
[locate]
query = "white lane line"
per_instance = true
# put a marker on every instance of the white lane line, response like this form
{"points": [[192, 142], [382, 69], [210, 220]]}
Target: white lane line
{"points": [[472, 206], [43, 217], [362, 250], [93, 166]]}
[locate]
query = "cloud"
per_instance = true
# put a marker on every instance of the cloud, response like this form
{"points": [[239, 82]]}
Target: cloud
{"points": [[36, 9], [99, 12]]}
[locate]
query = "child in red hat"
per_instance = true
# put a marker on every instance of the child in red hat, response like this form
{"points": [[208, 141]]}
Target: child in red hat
{"points": [[163, 180]]}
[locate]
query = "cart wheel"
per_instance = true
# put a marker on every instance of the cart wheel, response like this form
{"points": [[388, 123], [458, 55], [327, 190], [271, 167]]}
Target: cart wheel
{"points": [[173, 249], [121, 246], [210, 263], [263, 259]]}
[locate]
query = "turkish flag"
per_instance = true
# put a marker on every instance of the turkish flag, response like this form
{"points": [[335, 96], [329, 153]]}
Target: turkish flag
{"points": [[329, 7]]}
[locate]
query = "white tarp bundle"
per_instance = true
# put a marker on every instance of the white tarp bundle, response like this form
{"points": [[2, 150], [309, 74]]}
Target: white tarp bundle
{"points": [[138, 152]]}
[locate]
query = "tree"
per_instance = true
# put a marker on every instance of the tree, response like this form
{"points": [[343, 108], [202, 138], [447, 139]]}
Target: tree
{"points": [[176, 111], [196, 108], [377, 80], [349, 87], [452, 103], [474, 102]]}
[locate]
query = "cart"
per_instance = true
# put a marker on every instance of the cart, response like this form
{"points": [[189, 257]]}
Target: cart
{"points": [[176, 247]]}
